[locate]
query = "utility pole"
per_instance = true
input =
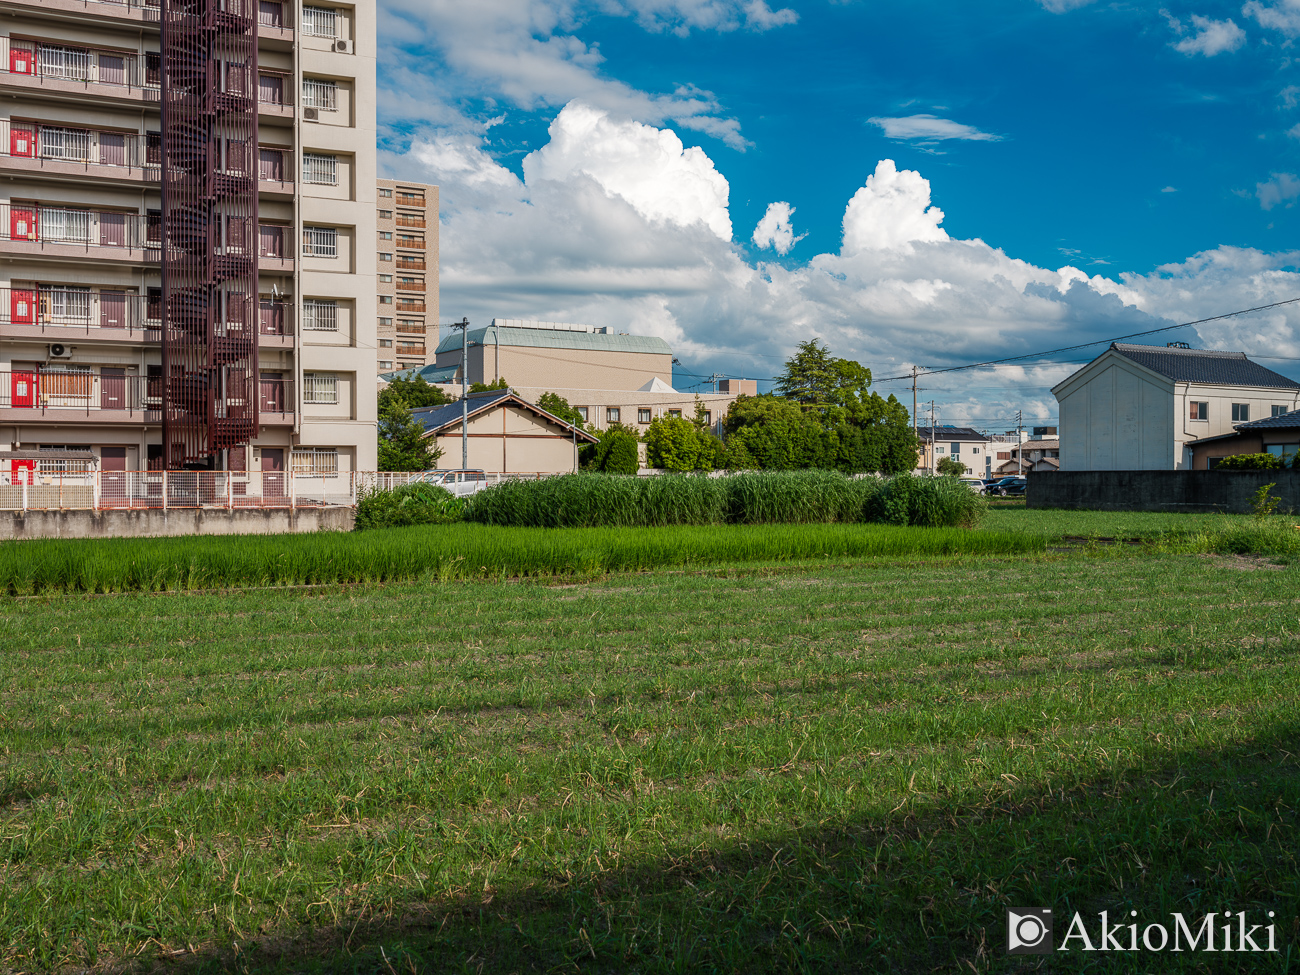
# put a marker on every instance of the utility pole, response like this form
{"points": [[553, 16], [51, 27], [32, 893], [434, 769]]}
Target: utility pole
{"points": [[1020, 445], [714, 379], [463, 325], [933, 465], [914, 401]]}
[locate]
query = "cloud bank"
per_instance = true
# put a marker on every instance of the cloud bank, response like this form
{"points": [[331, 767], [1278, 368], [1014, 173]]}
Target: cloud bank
{"points": [[620, 223]]}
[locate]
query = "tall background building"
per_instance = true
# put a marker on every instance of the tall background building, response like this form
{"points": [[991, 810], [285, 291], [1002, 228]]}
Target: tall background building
{"points": [[407, 285], [187, 255]]}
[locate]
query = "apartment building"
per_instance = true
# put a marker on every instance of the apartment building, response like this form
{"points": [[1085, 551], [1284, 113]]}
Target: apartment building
{"points": [[187, 250], [407, 274]]}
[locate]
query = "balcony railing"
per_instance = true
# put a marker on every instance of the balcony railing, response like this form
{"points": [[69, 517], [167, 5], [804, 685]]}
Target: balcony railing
{"points": [[276, 14], [128, 74], [409, 200], [411, 350], [405, 263], [99, 230], [411, 286], [406, 305], [410, 328], [60, 312], [411, 220], [411, 243], [127, 153], [116, 397]]}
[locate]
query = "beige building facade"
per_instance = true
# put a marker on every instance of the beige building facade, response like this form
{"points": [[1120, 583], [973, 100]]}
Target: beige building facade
{"points": [[82, 317], [407, 275]]}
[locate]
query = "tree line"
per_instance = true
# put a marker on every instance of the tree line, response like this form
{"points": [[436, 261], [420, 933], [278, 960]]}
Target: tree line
{"points": [[821, 414]]}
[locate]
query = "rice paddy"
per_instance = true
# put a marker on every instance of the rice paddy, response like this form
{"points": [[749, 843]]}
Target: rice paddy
{"points": [[828, 765]]}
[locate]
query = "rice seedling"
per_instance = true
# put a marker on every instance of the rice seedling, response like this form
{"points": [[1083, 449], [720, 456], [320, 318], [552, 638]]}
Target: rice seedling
{"points": [[456, 551]]}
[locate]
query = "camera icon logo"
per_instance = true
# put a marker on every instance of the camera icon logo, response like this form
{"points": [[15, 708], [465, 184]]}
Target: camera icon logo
{"points": [[1029, 931]]}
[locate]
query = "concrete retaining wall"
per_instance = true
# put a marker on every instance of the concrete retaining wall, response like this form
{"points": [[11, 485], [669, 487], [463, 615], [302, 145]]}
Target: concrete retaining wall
{"points": [[1229, 491], [154, 522]]}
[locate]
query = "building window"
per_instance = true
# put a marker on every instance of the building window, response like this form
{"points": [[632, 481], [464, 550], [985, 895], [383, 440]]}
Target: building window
{"points": [[320, 22], [66, 225], [319, 461], [60, 143], [675, 414], [320, 242], [385, 235], [938, 449], [1279, 410], [323, 95], [320, 388], [1200, 411], [385, 257], [642, 415], [385, 343], [385, 214], [1240, 412], [386, 278], [385, 364], [68, 302], [1004, 455], [582, 412], [270, 89], [708, 418], [974, 450], [320, 168], [612, 414], [320, 315], [385, 299], [385, 323], [70, 63], [955, 449], [385, 194]]}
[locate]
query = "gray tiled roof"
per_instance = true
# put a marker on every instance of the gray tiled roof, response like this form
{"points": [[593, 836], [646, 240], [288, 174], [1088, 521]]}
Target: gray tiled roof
{"points": [[951, 433], [1204, 366], [1285, 421], [436, 418]]}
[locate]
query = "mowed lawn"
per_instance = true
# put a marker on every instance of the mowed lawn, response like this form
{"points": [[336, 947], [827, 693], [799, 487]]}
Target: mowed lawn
{"points": [[830, 766]]}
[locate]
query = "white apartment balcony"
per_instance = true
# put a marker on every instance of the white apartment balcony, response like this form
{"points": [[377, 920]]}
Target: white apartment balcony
{"points": [[76, 73], [80, 394]]}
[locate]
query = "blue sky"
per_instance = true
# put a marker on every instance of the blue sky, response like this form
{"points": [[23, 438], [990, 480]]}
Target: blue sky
{"points": [[1150, 151]]}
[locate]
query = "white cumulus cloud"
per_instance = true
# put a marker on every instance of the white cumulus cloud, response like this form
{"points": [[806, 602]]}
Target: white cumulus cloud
{"points": [[775, 230], [1212, 36], [1061, 6], [1283, 16], [680, 16], [929, 129], [617, 223], [1282, 188]]}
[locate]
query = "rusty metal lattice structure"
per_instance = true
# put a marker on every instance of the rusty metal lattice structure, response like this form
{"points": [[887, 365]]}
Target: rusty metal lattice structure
{"points": [[209, 229]]}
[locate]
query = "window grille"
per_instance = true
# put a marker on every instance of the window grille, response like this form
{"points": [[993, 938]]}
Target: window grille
{"points": [[320, 315], [69, 303], [320, 168], [59, 143], [68, 225], [320, 94], [320, 242], [315, 461], [72, 63], [320, 22], [320, 388]]}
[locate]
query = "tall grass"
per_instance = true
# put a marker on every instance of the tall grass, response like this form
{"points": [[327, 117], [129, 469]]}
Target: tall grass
{"points": [[448, 552], [752, 498]]}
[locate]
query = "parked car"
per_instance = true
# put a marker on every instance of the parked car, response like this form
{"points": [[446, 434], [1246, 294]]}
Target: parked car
{"points": [[1008, 485], [460, 483], [976, 484]]}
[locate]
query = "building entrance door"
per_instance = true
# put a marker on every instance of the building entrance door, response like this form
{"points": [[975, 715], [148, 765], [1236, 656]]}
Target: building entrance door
{"points": [[273, 485]]}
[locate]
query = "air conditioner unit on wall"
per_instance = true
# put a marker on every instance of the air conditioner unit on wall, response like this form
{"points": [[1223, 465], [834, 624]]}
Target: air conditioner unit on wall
{"points": [[311, 114], [60, 351], [342, 47]]}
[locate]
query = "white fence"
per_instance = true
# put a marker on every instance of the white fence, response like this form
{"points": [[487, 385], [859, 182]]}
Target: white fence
{"points": [[32, 486]]}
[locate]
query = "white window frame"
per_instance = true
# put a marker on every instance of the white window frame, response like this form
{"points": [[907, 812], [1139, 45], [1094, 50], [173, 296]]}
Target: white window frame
{"points": [[320, 315], [1240, 412], [320, 22], [1195, 408], [320, 242], [60, 142], [320, 389], [582, 412], [71, 63], [320, 94], [69, 302], [320, 168], [320, 462], [62, 224]]}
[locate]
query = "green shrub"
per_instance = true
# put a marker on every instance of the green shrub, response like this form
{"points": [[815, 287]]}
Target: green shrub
{"points": [[411, 504], [590, 500], [616, 453], [1250, 462]]}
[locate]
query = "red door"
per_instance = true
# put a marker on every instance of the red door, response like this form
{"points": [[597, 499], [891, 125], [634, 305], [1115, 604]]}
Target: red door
{"points": [[23, 387], [112, 309], [23, 471], [112, 464], [22, 141], [112, 69], [272, 394], [112, 149], [272, 472], [112, 230], [22, 61], [112, 392], [22, 306], [22, 223]]}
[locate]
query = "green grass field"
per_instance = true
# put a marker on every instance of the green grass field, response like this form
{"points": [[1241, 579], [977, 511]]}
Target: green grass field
{"points": [[837, 765]]}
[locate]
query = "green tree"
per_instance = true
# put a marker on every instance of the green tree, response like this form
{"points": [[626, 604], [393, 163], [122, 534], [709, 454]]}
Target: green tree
{"points": [[673, 443], [616, 452], [559, 406], [950, 467], [402, 445], [489, 387], [414, 394], [814, 377]]}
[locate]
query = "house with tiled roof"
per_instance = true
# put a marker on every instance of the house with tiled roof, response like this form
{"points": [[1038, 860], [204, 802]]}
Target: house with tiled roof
{"points": [[1032, 455], [960, 443], [1139, 407], [1278, 434]]}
